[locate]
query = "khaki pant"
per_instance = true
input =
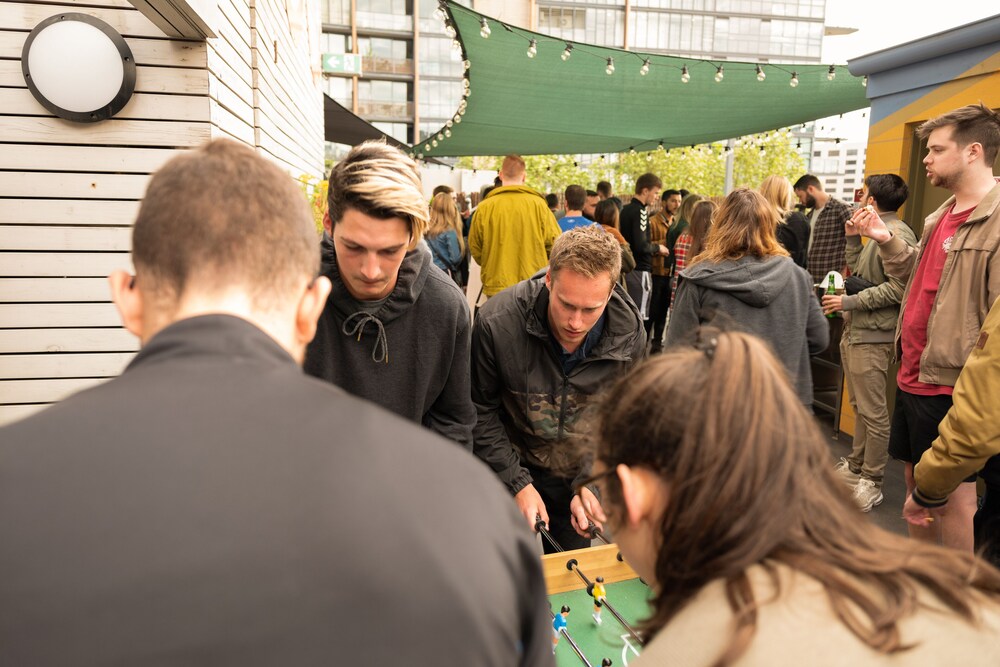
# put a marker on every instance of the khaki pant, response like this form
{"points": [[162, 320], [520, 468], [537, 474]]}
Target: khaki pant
{"points": [[866, 372]]}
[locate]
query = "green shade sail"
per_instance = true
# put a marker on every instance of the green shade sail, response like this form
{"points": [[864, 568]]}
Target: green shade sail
{"points": [[547, 105]]}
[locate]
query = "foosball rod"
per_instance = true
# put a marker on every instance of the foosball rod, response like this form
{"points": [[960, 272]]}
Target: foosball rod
{"points": [[572, 643], [596, 532], [573, 566]]}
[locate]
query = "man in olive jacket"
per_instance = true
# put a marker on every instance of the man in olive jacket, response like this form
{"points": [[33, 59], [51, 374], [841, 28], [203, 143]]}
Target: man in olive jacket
{"points": [[968, 442], [540, 350], [866, 347], [216, 506], [512, 231], [953, 278]]}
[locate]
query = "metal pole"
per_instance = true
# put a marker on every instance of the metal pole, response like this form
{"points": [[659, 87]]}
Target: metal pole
{"points": [[730, 162]]}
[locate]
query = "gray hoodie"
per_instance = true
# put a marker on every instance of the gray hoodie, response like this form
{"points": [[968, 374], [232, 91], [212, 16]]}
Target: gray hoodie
{"points": [[410, 356], [771, 298]]}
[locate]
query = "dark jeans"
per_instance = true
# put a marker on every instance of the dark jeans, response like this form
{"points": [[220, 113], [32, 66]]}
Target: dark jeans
{"points": [[987, 525], [556, 493], [658, 305]]}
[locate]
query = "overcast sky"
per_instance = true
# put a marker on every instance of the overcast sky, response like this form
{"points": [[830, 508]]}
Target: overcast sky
{"points": [[881, 24]]}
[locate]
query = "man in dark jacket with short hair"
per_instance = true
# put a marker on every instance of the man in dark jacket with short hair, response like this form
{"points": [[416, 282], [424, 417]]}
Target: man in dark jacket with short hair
{"points": [[540, 350], [634, 223], [215, 506]]}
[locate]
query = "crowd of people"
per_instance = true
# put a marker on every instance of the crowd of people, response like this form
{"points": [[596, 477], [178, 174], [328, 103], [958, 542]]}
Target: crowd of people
{"points": [[638, 367]]}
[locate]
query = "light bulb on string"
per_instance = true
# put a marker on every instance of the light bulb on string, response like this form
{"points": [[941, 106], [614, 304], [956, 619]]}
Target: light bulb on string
{"points": [[456, 45], [450, 29], [760, 73], [610, 69], [685, 75], [864, 82], [567, 52], [440, 12], [434, 143], [794, 83], [440, 137], [458, 118], [466, 65], [427, 147], [719, 74], [532, 48], [447, 133], [484, 28], [644, 70], [832, 74]]}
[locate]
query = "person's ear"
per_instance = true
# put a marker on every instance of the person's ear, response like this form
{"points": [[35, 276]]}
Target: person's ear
{"points": [[974, 150], [310, 307], [327, 223], [548, 279], [128, 301], [638, 493]]}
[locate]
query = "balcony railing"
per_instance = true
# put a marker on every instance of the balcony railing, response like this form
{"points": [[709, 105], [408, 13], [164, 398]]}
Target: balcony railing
{"points": [[381, 109], [375, 64]]}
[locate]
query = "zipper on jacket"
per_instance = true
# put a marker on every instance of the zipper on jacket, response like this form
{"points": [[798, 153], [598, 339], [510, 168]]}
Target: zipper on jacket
{"points": [[562, 407]]}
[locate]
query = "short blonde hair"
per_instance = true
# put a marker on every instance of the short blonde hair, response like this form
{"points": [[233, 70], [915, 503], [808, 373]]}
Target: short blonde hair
{"points": [[381, 181], [513, 167], [589, 251]]}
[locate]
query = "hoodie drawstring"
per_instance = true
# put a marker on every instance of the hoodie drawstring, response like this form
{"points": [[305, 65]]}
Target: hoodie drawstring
{"points": [[359, 329]]}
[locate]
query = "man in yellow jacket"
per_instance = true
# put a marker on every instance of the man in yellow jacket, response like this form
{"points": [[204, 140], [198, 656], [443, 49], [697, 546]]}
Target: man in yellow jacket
{"points": [[512, 231], [968, 442]]}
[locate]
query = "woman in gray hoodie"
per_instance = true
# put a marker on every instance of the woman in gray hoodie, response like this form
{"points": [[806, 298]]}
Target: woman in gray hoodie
{"points": [[744, 280]]}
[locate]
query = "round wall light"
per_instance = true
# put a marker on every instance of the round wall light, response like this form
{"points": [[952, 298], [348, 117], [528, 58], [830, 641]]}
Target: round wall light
{"points": [[78, 67]]}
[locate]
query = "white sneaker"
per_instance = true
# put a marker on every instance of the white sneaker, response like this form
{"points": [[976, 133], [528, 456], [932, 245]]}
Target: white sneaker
{"points": [[867, 495], [843, 468]]}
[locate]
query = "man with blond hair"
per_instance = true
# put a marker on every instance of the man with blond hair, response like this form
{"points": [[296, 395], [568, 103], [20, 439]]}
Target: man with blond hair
{"points": [[952, 279], [396, 329], [540, 350], [513, 230], [213, 505]]}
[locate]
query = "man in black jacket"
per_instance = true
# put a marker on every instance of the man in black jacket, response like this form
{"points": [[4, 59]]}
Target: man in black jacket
{"points": [[215, 506], [395, 329], [540, 350], [634, 224]]}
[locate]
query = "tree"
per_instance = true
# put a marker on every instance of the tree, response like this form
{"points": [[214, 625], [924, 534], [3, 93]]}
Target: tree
{"points": [[700, 169]]}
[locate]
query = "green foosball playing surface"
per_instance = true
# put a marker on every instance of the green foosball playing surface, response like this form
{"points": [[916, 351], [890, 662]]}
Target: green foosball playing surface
{"points": [[567, 575]]}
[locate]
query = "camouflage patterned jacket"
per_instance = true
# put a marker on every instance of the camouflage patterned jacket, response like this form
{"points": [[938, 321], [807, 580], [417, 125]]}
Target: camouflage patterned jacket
{"points": [[527, 407]]}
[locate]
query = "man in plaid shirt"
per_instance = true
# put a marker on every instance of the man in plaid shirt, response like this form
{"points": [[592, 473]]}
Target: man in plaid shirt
{"points": [[826, 240]]}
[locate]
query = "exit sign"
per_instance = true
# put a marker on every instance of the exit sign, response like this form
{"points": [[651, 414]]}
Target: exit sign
{"points": [[342, 63]]}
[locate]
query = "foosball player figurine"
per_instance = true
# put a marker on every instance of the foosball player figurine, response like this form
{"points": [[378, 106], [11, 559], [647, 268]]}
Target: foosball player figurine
{"points": [[599, 595], [558, 624], [606, 662]]}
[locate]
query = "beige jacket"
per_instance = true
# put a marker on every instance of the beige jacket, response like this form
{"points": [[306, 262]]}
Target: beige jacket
{"points": [[970, 283], [800, 629]]}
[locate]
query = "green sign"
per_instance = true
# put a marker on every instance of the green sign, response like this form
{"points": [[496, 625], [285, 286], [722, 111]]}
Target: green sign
{"points": [[342, 63]]}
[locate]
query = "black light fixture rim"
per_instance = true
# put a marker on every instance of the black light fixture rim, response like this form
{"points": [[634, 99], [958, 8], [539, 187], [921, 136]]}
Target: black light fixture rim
{"points": [[126, 90]]}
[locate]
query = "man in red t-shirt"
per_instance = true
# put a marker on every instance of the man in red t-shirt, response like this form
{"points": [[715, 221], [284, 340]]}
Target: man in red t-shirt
{"points": [[954, 277]]}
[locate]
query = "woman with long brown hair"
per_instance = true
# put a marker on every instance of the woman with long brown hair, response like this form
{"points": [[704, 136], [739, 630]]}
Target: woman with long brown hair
{"points": [[692, 240], [793, 228], [444, 234], [606, 215], [754, 551], [745, 280]]}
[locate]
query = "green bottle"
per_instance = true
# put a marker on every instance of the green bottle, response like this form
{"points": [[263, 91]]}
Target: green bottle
{"points": [[831, 288]]}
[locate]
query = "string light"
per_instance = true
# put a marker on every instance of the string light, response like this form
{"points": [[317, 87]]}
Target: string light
{"points": [[832, 74], [644, 70], [484, 29], [719, 75], [794, 83], [660, 147], [427, 147], [466, 65], [434, 143], [439, 12], [631, 150], [685, 75], [532, 48], [864, 82], [760, 73], [456, 46], [567, 52], [610, 69], [440, 137], [457, 118], [447, 133]]}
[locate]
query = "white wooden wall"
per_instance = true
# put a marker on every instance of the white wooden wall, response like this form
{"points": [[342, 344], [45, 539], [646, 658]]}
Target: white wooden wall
{"points": [[69, 192]]}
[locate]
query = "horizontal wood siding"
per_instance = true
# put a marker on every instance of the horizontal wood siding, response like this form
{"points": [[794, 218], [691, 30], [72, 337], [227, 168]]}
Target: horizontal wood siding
{"points": [[69, 192]]}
